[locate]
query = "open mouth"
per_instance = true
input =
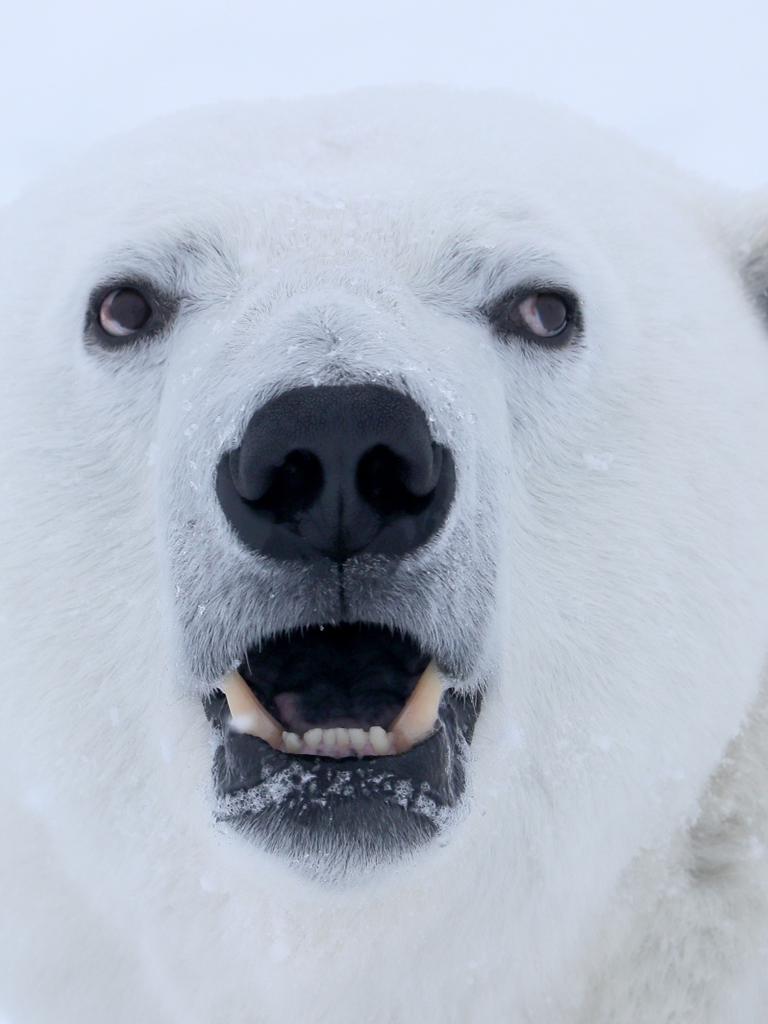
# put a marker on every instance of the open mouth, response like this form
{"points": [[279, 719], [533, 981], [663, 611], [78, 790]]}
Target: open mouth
{"points": [[344, 737], [341, 691]]}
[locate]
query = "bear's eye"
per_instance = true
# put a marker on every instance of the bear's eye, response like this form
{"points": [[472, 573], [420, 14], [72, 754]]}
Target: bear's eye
{"points": [[547, 317], [124, 312], [544, 314]]}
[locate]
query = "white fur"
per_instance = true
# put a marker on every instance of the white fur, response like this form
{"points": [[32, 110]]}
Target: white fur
{"points": [[610, 865]]}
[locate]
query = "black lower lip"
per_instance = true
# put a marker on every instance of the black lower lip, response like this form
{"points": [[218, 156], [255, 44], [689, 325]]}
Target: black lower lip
{"points": [[321, 813]]}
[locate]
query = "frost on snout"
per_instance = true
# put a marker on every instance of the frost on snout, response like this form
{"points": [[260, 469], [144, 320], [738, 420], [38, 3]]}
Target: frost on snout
{"points": [[349, 708]]}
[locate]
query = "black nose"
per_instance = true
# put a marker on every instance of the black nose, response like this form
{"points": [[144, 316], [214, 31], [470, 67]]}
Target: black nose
{"points": [[332, 472]]}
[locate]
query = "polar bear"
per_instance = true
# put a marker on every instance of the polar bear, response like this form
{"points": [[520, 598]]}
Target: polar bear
{"points": [[384, 574]]}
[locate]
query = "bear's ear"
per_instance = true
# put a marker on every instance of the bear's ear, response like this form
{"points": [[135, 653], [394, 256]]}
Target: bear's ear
{"points": [[752, 250]]}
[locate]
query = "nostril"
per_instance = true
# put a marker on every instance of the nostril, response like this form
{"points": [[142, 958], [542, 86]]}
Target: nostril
{"points": [[336, 471], [292, 487], [385, 480]]}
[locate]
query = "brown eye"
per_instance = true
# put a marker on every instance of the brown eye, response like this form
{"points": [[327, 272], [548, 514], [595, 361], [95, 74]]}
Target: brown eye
{"points": [[124, 312], [545, 314]]}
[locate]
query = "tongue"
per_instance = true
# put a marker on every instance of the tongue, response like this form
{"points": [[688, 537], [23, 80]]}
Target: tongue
{"points": [[293, 713]]}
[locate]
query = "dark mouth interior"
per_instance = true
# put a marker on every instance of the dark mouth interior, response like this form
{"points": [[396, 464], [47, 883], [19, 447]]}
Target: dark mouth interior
{"points": [[351, 675]]}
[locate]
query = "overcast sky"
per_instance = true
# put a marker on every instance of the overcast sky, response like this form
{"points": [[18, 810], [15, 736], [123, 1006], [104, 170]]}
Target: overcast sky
{"points": [[689, 78]]}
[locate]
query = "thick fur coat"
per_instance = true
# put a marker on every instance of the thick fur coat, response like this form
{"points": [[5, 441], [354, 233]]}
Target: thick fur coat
{"points": [[604, 570]]}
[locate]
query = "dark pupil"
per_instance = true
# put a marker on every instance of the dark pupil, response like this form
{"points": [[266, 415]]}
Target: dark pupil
{"points": [[552, 312], [130, 309]]}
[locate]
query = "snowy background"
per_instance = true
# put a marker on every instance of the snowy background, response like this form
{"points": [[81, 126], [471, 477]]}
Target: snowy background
{"points": [[690, 78]]}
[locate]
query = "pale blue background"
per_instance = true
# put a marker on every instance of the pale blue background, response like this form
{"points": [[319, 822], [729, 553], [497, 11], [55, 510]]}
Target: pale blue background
{"points": [[690, 78]]}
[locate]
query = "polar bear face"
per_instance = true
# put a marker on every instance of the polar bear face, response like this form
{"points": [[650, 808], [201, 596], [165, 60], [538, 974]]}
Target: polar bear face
{"points": [[415, 451]]}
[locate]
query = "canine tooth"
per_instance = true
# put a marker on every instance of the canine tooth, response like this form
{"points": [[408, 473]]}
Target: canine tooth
{"points": [[292, 742], [240, 697], [312, 739], [379, 739], [343, 743], [248, 713], [417, 719], [358, 739]]}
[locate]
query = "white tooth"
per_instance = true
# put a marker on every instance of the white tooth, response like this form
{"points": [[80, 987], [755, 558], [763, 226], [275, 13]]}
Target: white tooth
{"points": [[292, 742], [379, 739], [343, 742], [358, 738], [248, 713], [329, 740], [313, 739], [417, 719]]}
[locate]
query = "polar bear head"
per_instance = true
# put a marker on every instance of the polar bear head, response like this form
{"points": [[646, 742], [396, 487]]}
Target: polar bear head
{"points": [[395, 462]]}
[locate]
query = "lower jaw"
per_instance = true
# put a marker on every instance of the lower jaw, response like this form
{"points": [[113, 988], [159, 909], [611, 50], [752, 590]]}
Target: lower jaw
{"points": [[333, 818]]}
